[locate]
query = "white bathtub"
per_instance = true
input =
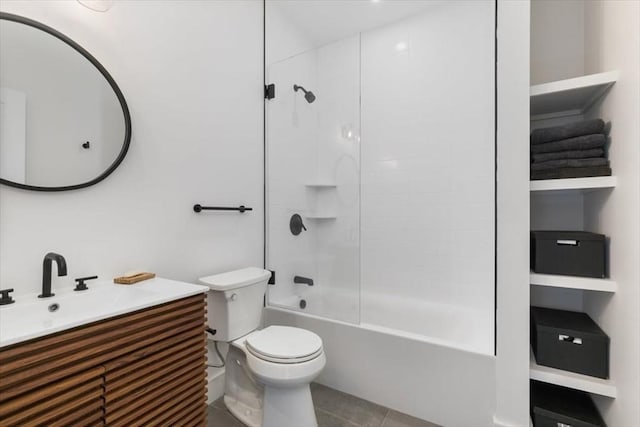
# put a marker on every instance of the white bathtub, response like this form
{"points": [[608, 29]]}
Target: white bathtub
{"points": [[458, 327], [431, 361], [463, 328]]}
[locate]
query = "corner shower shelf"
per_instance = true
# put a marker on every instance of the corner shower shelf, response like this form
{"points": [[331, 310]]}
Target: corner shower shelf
{"points": [[320, 216], [320, 185], [571, 379], [569, 97], [573, 282], [574, 184]]}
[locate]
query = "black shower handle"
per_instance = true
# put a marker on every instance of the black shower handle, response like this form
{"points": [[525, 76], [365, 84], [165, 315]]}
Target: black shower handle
{"points": [[296, 225]]}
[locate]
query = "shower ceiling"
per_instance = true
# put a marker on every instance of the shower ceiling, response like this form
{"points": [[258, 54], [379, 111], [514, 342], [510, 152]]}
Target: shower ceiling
{"points": [[325, 21]]}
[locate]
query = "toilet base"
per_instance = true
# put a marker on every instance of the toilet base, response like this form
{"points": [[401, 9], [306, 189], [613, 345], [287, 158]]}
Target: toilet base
{"points": [[288, 407], [249, 416]]}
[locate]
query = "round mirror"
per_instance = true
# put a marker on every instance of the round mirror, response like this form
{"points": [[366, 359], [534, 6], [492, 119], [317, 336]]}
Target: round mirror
{"points": [[64, 123]]}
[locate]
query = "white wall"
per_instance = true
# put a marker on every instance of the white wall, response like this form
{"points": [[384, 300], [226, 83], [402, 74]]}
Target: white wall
{"points": [[192, 75], [612, 42], [557, 40], [512, 310]]}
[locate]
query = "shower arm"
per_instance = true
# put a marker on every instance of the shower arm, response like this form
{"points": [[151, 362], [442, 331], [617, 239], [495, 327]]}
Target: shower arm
{"points": [[296, 87]]}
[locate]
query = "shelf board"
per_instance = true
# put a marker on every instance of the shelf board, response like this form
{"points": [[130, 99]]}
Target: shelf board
{"points": [[569, 97], [573, 282], [571, 380], [574, 184], [320, 185], [320, 216]]}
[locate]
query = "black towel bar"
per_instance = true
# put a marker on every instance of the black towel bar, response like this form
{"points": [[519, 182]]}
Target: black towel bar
{"points": [[241, 208]]}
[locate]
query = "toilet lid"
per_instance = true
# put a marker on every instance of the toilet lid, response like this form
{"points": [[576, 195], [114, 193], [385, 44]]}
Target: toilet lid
{"points": [[284, 342]]}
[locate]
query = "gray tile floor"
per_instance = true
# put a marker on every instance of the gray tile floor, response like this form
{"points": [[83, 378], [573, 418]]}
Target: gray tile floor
{"points": [[333, 409]]}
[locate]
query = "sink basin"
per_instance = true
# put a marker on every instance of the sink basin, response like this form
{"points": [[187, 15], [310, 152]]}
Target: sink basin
{"points": [[32, 317]]}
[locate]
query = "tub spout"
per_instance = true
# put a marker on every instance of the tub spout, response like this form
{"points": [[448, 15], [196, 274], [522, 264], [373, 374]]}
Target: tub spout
{"points": [[304, 280]]}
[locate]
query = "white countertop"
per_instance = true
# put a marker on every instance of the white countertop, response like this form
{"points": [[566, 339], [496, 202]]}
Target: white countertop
{"points": [[29, 317]]}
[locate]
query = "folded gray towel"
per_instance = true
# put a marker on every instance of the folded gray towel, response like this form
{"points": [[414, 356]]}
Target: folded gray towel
{"points": [[584, 142], [571, 130], [562, 173], [575, 154], [570, 163]]}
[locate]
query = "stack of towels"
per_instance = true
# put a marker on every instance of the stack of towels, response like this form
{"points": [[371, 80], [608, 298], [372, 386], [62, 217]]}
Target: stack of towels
{"points": [[574, 150]]}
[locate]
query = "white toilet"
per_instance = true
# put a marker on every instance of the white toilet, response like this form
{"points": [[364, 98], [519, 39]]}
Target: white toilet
{"points": [[268, 371]]}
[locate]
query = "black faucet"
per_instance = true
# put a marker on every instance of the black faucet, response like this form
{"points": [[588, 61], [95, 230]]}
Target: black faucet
{"points": [[304, 280], [46, 272]]}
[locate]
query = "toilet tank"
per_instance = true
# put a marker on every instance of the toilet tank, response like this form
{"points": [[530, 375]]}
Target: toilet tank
{"points": [[235, 301]]}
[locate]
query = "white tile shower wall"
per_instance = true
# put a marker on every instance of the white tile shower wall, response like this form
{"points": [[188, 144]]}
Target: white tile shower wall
{"points": [[192, 75], [338, 162], [291, 154], [428, 158], [306, 145]]}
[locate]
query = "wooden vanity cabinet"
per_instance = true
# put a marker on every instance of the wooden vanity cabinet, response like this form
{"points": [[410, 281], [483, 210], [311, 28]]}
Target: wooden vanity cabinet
{"points": [[143, 368]]}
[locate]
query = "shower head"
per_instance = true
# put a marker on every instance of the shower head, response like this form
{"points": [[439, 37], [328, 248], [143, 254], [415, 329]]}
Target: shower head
{"points": [[308, 95]]}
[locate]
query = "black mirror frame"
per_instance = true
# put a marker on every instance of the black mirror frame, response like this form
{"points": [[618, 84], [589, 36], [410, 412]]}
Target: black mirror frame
{"points": [[112, 83]]}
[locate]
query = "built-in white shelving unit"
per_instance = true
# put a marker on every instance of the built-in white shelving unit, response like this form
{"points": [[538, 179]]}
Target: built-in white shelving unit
{"points": [[569, 97], [573, 282], [555, 100], [574, 184], [571, 380]]}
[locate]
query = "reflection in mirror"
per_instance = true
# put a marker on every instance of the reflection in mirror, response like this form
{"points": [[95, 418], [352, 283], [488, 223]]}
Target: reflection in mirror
{"points": [[63, 121]]}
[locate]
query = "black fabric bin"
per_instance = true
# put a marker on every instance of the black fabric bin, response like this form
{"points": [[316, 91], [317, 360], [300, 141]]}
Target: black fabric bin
{"points": [[573, 253], [569, 340], [552, 405]]}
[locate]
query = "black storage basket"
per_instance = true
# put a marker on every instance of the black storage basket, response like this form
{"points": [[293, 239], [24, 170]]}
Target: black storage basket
{"points": [[573, 253], [552, 405], [569, 340]]}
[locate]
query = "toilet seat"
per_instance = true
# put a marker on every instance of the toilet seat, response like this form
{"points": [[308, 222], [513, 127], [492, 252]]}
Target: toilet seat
{"points": [[287, 373], [284, 344]]}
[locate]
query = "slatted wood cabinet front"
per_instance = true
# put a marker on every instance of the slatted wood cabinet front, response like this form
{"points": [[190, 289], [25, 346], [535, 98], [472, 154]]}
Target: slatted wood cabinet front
{"points": [[145, 368]]}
